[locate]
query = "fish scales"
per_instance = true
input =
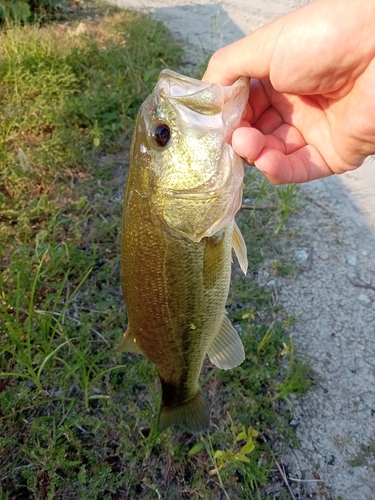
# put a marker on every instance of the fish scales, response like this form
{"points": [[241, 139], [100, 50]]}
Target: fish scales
{"points": [[175, 295], [175, 274]]}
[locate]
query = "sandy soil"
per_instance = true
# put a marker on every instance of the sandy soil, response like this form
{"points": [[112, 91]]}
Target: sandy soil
{"points": [[332, 298]]}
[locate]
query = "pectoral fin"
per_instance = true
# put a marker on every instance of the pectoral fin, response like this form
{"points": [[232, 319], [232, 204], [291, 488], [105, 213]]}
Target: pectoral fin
{"points": [[239, 247], [129, 344], [226, 350]]}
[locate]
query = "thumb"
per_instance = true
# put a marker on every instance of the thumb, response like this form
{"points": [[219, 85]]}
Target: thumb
{"points": [[251, 56]]}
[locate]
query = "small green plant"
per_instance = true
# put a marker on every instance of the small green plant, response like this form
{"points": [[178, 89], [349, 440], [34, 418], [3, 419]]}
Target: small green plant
{"points": [[296, 379], [280, 268], [240, 458], [237, 453], [287, 202], [278, 201], [266, 338]]}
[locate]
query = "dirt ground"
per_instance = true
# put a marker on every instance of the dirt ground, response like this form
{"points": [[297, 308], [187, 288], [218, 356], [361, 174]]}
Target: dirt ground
{"points": [[332, 298]]}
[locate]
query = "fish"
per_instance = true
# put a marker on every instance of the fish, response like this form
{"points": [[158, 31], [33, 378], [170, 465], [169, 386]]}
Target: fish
{"points": [[183, 190]]}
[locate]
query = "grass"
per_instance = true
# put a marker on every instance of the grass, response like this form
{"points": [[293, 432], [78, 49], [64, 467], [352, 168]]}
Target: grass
{"points": [[366, 456], [77, 420]]}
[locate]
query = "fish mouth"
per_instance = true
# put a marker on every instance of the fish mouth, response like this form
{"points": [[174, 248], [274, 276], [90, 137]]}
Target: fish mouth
{"points": [[189, 194], [205, 98], [207, 190]]}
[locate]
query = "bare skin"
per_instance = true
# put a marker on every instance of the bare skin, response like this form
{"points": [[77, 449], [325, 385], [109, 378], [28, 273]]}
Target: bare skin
{"points": [[311, 106]]}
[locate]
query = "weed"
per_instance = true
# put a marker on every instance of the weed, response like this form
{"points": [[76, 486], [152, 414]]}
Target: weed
{"points": [[366, 457], [278, 202], [296, 380], [280, 268]]}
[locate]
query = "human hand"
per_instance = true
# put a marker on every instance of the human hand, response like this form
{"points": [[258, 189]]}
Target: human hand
{"points": [[311, 106]]}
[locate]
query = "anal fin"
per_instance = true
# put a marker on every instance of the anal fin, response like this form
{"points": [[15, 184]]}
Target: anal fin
{"points": [[129, 344], [226, 350], [239, 247], [193, 414]]}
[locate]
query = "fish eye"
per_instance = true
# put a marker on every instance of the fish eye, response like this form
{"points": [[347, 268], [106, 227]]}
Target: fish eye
{"points": [[162, 134]]}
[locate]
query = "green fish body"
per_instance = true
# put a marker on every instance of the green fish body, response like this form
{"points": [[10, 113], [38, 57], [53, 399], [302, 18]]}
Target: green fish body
{"points": [[183, 190]]}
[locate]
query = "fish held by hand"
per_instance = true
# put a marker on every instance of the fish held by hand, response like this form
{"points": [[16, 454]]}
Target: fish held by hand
{"points": [[183, 190]]}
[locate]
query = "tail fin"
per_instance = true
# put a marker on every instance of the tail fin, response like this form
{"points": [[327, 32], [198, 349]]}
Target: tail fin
{"points": [[193, 414]]}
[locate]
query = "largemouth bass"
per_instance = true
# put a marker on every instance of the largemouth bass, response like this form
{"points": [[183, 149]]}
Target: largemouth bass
{"points": [[183, 191]]}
